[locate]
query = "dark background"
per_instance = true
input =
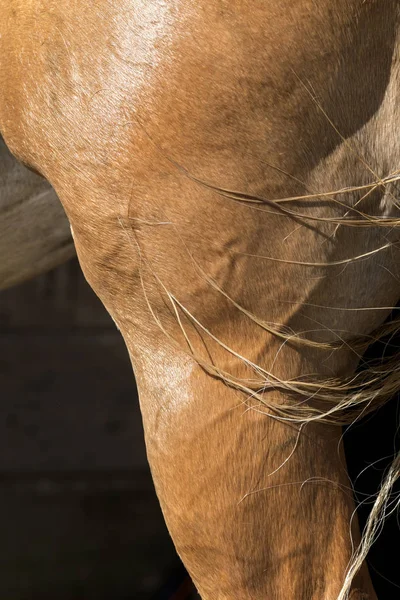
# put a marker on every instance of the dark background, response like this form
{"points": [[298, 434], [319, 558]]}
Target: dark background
{"points": [[370, 446], [79, 518]]}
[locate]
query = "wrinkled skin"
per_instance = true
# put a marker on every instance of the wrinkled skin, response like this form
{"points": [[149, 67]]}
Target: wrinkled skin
{"points": [[34, 231], [119, 105]]}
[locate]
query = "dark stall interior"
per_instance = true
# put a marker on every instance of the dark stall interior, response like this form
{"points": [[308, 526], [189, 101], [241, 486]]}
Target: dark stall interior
{"points": [[79, 517], [370, 445]]}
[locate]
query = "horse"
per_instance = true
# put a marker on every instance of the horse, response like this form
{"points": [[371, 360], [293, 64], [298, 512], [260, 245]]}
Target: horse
{"points": [[230, 173]]}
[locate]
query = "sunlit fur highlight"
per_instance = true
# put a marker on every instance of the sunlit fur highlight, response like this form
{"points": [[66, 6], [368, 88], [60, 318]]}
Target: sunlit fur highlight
{"points": [[344, 400]]}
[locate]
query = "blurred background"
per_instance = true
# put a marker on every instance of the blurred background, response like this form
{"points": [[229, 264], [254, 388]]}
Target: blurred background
{"points": [[79, 518]]}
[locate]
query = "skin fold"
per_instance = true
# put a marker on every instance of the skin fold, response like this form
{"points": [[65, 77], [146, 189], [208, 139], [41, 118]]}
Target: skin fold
{"points": [[142, 114]]}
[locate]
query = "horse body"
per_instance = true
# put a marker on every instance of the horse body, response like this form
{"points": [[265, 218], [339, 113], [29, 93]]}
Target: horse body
{"points": [[199, 151]]}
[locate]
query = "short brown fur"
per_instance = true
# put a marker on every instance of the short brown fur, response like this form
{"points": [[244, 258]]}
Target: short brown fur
{"points": [[142, 115]]}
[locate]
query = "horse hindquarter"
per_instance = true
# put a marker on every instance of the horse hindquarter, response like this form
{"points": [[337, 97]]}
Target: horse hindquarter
{"points": [[174, 135]]}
